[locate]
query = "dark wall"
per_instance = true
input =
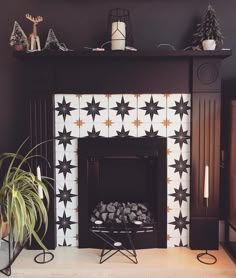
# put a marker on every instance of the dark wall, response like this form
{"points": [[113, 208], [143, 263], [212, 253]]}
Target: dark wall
{"points": [[84, 23]]}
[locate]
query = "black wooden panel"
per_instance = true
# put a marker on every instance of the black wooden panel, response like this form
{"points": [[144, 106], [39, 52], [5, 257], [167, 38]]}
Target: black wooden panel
{"points": [[41, 130]]}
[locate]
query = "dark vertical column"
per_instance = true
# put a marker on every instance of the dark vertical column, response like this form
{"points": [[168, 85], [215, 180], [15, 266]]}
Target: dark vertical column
{"points": [[41, 132], [206, 105]]}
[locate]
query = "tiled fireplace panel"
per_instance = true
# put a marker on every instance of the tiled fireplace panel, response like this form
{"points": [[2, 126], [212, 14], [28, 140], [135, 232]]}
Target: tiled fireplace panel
{"points": [[136, 115]]}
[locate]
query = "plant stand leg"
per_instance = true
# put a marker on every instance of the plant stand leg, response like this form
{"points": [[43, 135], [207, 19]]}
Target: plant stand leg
{"points": [[44, 257]]}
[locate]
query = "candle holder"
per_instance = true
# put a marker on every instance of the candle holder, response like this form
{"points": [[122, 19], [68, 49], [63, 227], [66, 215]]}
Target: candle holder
{"points": [[205, 257], [119, 29], [44, 257]]}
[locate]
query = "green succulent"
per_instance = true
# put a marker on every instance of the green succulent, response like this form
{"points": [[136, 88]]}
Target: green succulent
{"points": [[20, 204]]}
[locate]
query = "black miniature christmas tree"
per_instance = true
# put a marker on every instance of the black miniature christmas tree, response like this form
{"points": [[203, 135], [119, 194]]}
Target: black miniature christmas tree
{"points": [[208, 29], [18, 39]]}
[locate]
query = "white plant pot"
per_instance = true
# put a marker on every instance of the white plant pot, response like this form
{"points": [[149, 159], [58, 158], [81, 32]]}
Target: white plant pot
{"points": [[209, 45]]}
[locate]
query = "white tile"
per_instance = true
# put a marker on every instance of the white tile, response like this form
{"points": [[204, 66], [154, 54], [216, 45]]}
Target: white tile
{"points": [[100, 129], [72, 216], [146, 101], [173, 101], [173, 159], [128, 129], [129, 101], [157, 128], [70, 241], [100, 101]]}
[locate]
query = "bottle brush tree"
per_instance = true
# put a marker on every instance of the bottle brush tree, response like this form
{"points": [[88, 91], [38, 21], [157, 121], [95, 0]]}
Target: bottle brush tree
{"points": [[208, 29]]}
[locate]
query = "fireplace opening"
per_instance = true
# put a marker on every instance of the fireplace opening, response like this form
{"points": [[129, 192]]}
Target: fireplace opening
{"points": [[123, 181]]}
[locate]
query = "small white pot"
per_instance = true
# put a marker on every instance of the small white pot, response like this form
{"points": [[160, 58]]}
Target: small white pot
{"points": [[209, 45]]}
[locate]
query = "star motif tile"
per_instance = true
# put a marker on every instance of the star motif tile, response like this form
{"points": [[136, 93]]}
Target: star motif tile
{"points": [[65, 195], [180, 194], [181, 107], [65, 166], [64, 222], [180, 137], [180, 166], [180, 223], [64, 243], [64, 108], [93, 133], [93, 108], [151, 108], [64, 138], [122, 133], [122, 108], [151, 132]]}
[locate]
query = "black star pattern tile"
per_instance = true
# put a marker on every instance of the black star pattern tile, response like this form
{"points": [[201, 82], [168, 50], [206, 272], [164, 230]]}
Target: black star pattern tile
{"points": [[64, 243], [180, 223], [65, 195], [65, 166], [93, 108], [180, 137], [93, 133], [181, 244], [65, 137], [180, 194], [181, 107], [64, 222], [151, 108], [122, 133], [122, 108], [64, 108], [180, 166], [151, 132]]}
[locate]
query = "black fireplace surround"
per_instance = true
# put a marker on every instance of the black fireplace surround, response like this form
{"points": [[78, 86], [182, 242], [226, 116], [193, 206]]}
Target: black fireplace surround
{"points": [[123, 170]]}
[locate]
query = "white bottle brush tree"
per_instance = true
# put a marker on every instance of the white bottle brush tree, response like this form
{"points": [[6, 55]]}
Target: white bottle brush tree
{"points": [[209, 29], [18, 38]]}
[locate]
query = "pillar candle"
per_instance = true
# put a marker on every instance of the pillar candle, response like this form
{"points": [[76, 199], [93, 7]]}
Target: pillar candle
{"points": [[118, 35], [206, 182], [40, 189]]}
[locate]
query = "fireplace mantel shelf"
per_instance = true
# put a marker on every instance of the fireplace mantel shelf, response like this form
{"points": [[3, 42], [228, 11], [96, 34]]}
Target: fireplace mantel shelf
{"points": [[127, 54]]}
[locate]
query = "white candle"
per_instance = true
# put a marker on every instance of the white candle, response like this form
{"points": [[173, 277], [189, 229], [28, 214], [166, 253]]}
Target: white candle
{"points": [[40, 189], [118, 35], [206, 183]]}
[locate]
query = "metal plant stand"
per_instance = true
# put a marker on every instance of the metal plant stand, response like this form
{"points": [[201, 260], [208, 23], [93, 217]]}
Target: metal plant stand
{"points": [[8, 253]]}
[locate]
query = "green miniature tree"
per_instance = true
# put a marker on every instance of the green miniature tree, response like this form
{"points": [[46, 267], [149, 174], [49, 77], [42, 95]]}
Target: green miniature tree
{"points": [[208, 29]]}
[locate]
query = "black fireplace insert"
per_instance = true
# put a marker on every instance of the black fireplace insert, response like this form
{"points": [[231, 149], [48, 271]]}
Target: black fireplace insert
{"points": [[123, 180]]}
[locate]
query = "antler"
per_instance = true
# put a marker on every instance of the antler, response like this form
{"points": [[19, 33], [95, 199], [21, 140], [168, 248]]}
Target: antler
{"points": [[34, 19]]}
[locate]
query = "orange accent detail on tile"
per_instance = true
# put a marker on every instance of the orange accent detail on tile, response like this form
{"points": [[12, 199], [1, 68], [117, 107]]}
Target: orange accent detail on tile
{"points": [[108, 123], [166, 95], [168, 152], [79, 123], [166, 122], [137, 122], [168, 180], [168, 209], [168, 237], [107, 95], [137, 95]]}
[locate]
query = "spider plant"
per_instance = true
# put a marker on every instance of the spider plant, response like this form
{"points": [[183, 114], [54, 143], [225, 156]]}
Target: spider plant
{"points": [[20, 204]]}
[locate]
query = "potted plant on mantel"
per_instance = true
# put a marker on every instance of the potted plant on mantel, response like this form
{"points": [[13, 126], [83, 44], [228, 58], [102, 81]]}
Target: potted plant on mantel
{"points": [[208, 35], [22, 209]]}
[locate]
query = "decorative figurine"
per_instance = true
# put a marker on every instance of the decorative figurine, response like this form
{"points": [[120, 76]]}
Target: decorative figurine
{"points": [[18, 39], [34, 38]]}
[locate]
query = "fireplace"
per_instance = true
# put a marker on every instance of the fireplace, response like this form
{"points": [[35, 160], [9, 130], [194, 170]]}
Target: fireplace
{"points": [[130, 175], [144, 120], [189, 78]]}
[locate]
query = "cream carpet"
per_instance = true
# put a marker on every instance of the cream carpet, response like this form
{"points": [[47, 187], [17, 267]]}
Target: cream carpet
{"points": [[83, 263]]}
